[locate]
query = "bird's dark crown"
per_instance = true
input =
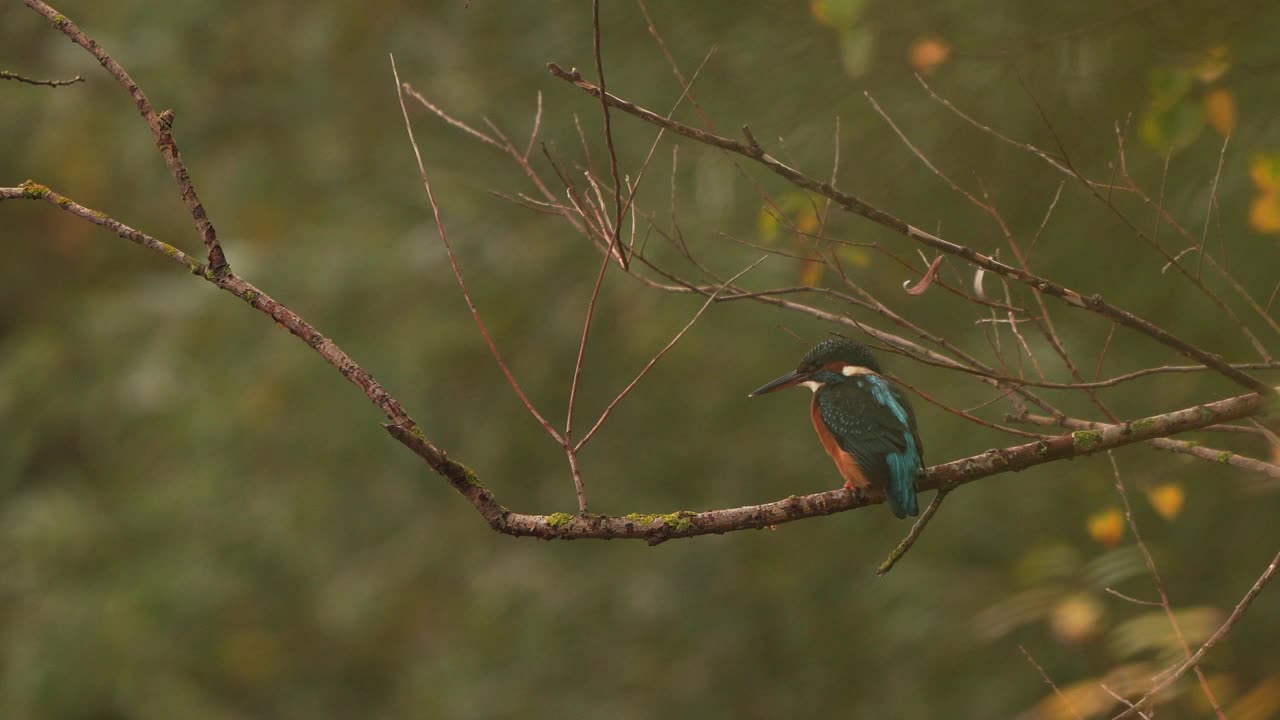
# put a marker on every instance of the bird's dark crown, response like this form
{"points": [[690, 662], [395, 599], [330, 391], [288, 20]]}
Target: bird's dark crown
{"points": [[838, 350]]}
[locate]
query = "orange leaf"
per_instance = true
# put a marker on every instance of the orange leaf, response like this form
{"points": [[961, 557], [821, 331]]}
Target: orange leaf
{"points": [[1264, 212], [1107, 526], [928, 53], [807, 221], [812, 273], [1220, 110], [1167, 499]]}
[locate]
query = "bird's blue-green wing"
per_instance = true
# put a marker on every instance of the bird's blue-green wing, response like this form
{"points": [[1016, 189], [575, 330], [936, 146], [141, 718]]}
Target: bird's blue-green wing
{"points": [[873, 421]]}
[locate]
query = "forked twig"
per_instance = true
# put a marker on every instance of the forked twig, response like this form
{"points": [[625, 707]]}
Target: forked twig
{"points": [[457, 271], [654, 360], [1222, 631], [161, 128], [1164, 596]]}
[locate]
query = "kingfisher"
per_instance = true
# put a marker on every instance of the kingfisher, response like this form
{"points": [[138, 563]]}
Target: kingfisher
{"points": [[865, 423]]}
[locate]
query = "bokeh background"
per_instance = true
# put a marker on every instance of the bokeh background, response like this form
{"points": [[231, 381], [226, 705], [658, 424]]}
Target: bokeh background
{"points": [[200, 519]]}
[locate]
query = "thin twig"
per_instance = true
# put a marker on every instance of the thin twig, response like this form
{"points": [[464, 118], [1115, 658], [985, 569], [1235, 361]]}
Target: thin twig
{"points": [[6, 75], [579, 488], [1049, 681], [1164, 595], [654, 360], [537, 124], [608, 137], [911, 537], [457, 271], [1133, 600], [1123, 699], [1035, 239], [675, 68], [1213, 195]]}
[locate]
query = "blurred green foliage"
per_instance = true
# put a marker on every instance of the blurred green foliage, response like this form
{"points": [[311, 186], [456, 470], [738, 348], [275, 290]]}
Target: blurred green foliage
{"points": [[200, 519]]}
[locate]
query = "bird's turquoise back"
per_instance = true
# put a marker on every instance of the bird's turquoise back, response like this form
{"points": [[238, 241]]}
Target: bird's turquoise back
{"points": [[874, 422]]}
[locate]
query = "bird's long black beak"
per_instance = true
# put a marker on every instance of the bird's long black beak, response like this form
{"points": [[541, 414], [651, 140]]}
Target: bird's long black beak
{"points": [[786, 381]]}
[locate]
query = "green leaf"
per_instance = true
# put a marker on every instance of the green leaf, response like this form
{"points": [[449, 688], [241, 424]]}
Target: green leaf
{"points": [[856, 46], [1168, 85], [839, 14], [1173, 128]]}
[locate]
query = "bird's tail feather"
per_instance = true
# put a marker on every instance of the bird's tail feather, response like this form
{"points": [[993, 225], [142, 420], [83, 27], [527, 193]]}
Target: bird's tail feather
{"points": [[901, 493]]}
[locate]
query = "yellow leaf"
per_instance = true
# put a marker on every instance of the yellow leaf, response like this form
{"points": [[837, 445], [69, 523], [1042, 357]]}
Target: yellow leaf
{"points": [[812, 273], [1167, 499], [767, 224], [1076, 618], [1264, 213], [1213, 65], [1260, 703], [928, 53], [1088, 698], [1220, 110], [856, 256], [1107, 526], [807, 220]]}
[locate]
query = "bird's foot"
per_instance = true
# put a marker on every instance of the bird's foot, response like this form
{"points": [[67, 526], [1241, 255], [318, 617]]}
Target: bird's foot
{"points": [[857, 491]]}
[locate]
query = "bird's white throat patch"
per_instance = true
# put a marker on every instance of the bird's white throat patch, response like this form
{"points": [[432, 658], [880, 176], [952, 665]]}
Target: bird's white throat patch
{"points": [[812, 385]]}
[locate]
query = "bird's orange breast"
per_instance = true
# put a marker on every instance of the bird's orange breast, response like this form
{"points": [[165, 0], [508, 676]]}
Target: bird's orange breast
{"points": [[845, 462]]}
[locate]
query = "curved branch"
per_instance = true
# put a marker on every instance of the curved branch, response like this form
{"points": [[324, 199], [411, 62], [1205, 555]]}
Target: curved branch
{"points": [[658, 528]]}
